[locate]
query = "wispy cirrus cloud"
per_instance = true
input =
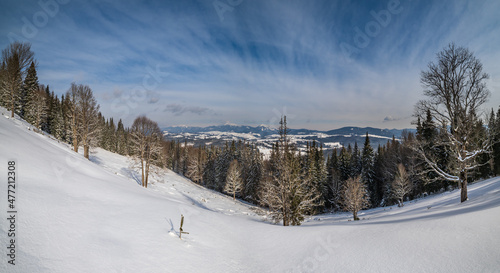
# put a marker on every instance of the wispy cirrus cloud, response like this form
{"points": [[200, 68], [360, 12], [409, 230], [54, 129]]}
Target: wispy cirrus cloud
{"points": [[265, 55]]}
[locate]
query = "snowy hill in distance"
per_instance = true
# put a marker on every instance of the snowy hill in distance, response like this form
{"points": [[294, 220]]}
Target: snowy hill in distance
{"points": [[265, 136], [75, 215]]}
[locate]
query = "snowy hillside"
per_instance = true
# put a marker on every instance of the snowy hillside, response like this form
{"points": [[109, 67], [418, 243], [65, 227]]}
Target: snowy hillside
{"points": [[75, 215]]}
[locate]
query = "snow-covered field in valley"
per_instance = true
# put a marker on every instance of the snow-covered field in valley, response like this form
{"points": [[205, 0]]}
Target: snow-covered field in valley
{"points": [[75, 215]]}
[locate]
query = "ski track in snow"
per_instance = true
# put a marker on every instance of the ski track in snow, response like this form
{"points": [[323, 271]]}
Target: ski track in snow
{"points": [[77, 215]]}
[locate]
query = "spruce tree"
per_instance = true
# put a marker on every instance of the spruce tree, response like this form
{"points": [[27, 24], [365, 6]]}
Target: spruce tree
{"points": [[221, 167], [112, 141], [495, 131], [419, 128], [429, 130], [255, 175], [430, 139], [47, 125], [484, 169], [38, 107], [379, 166], [29, 87], [368, 170], [333, 180], [209, 169], [67, 109], [58, 129], [103, 131], [344, 173], [322, 177], [355, 161], [345, 170], [120, 139], [185, 158]]}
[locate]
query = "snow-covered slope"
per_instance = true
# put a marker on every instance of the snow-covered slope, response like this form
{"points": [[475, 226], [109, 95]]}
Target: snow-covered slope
{"points": [[75, 215]]}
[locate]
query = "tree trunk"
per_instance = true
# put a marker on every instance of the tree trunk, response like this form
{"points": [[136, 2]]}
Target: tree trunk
{"points": [[37, 122], [355, 215], [285, 219], [86, 151], [142, 172], [147, 175], [12, 104], [75, 135], [463, 187]]}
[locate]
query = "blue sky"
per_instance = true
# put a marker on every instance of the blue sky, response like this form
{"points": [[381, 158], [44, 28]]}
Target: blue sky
{"points": [[324, 64]]}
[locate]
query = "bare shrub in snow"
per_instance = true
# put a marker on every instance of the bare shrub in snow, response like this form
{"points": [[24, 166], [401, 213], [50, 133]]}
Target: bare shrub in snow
{"points": [[234, 184], [355, 196], [401, 185]]}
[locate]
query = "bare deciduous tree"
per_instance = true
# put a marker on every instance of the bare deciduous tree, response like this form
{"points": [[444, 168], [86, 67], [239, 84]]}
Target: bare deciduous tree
{"points": [[15, 59], [146, 136], [72, 114], [456, 89], [83, 112], [195, 170], [234, 184], [87, 115], [355, 196], [401, 185]]}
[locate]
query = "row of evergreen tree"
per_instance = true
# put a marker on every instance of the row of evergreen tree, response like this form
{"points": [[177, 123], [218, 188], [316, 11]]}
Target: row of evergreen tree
{"points": [[323, 174], [42, 108], [208, 166], [328, 172]]}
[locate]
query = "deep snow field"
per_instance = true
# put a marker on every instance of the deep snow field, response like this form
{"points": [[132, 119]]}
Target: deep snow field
{"points": [[75, 215]]}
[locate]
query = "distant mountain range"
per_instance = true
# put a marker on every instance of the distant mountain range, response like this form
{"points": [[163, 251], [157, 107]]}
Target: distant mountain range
{"points": [[264, 136]]}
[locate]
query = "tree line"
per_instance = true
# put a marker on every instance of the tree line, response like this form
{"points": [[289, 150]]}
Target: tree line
{"points": [[453, 144]]}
